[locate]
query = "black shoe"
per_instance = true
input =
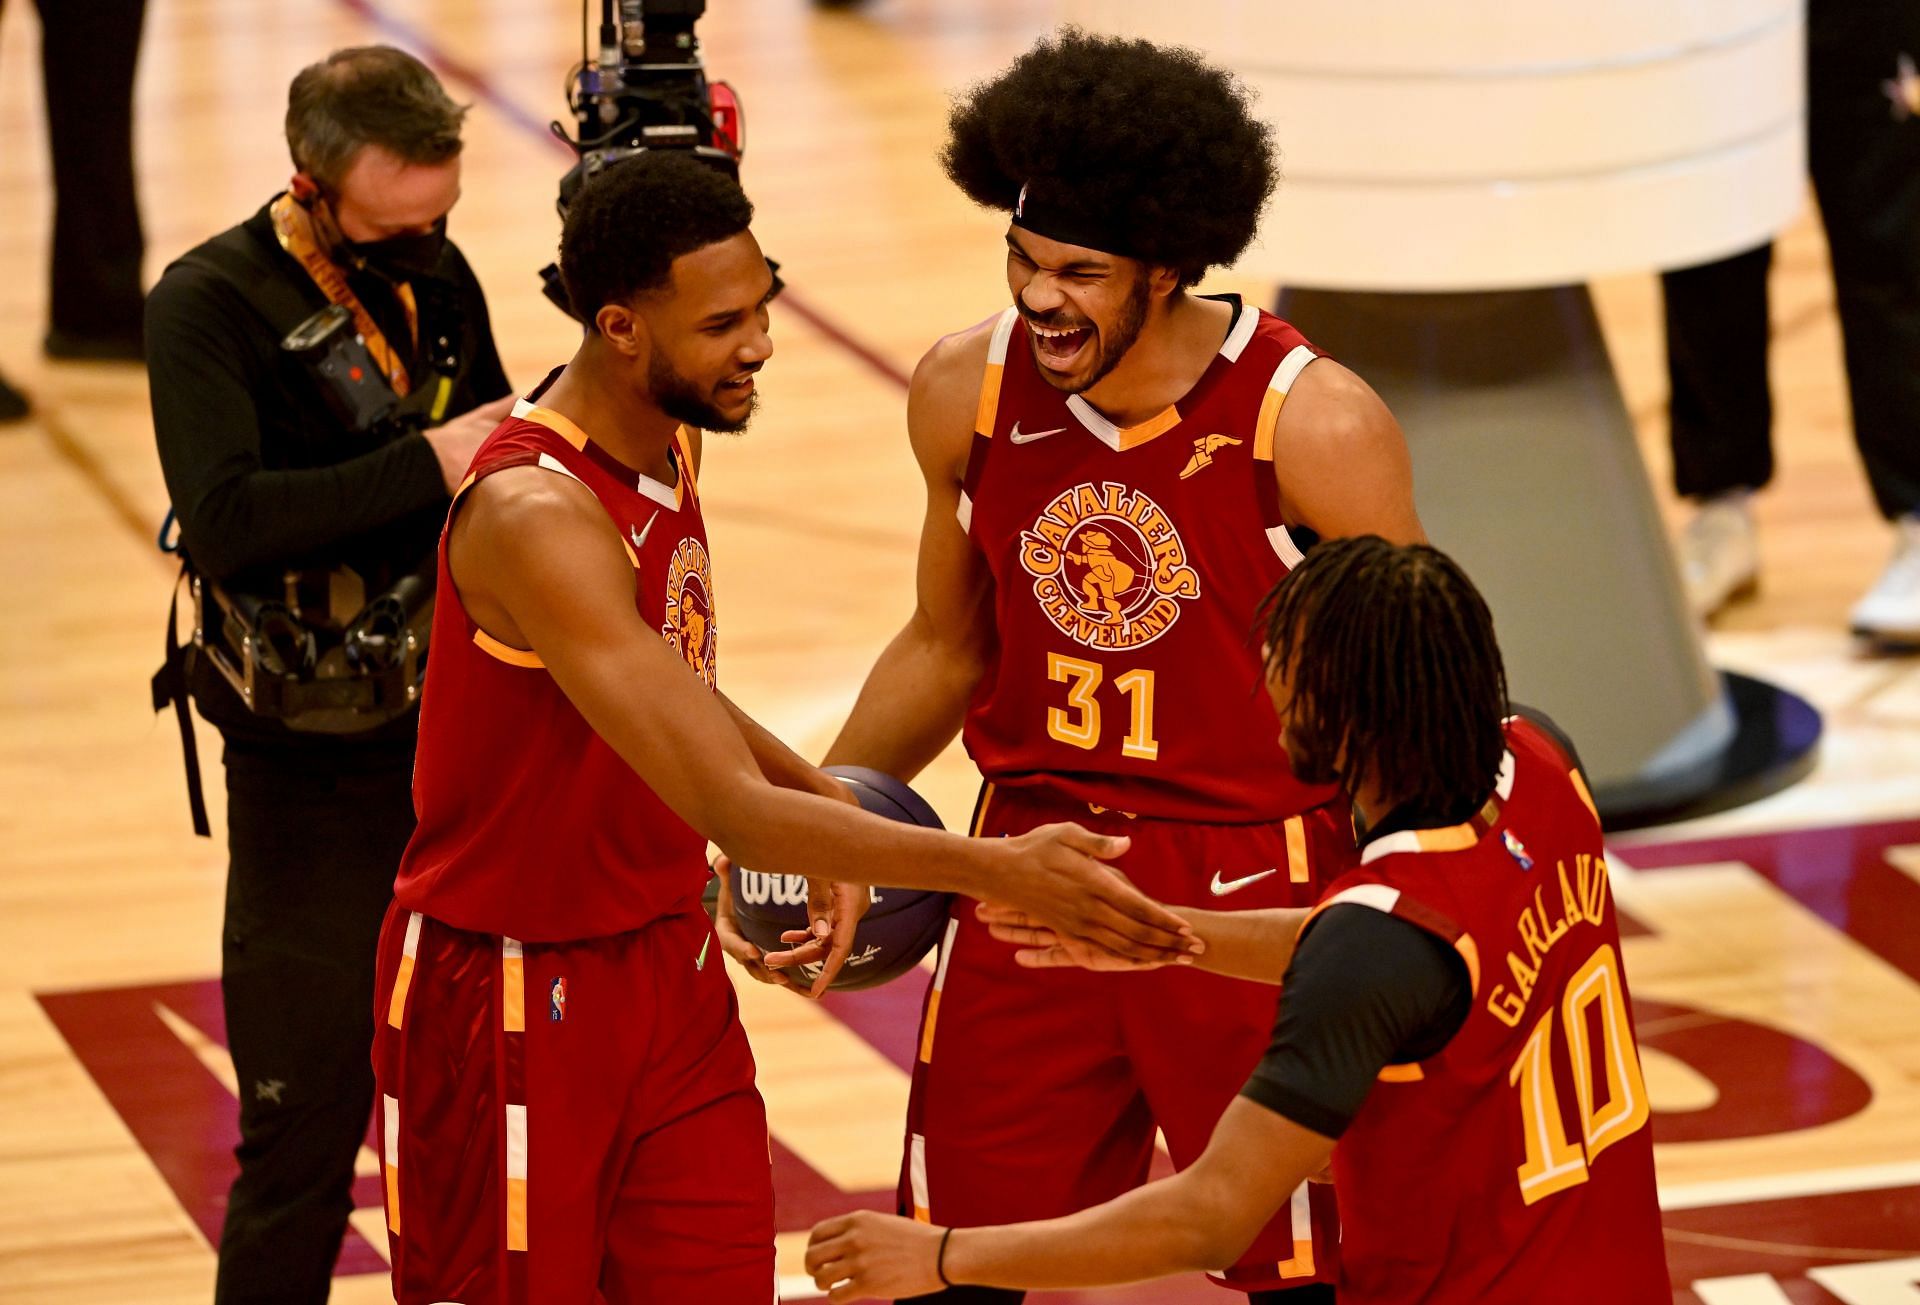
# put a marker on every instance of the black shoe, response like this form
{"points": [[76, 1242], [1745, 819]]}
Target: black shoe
{"points": [[13, 404], [71, 346]]}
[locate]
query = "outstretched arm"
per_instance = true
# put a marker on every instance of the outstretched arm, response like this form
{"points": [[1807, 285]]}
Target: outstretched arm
{"points": [[1201, 1218], [539, 568], [1255, 945]]}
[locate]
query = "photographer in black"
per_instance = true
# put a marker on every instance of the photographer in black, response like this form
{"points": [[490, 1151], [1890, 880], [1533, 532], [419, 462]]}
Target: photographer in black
{"points": [[310, 487]]}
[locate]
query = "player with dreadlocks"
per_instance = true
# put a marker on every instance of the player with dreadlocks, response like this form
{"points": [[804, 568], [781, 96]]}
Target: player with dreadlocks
{"points": [[1453, 1011], [1118, 469]]}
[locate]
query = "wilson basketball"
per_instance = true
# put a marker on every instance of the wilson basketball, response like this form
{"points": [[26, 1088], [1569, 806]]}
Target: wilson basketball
{"points": [[901, 926]]}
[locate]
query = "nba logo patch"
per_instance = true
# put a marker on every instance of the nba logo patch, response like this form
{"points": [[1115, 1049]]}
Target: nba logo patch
{"points": [[557, 1000], [1516, 849]]}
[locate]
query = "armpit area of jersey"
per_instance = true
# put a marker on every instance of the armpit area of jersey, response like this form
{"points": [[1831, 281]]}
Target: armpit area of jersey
{"points": [[1365, 990]]}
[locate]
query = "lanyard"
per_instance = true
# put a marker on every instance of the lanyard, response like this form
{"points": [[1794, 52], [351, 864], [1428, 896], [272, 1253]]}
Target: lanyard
{"points": [[294, 227]]}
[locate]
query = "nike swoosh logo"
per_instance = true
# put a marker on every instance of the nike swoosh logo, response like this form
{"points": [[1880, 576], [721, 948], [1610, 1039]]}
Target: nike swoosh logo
{"points": [[700, 961], [639, 537], [1221, 889], [1029, 436]]}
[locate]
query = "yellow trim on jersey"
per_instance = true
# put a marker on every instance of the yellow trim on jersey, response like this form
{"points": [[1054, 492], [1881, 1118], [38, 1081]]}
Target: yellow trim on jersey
{"points": [[403, 979], [1152, 428], [1278, 386], [980, 816], [1470, 953], [559, 425], [687, 482], [1580, 789], [1401, 1073], [989, 400], [1298, 871], [1263, 427], [522, 657], [1453, 838], [513, 986], [988, 409]]}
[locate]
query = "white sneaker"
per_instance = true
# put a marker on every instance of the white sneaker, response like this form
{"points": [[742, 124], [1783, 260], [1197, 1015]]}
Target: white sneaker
{"points": [[1719, 554], [1890, 613]]}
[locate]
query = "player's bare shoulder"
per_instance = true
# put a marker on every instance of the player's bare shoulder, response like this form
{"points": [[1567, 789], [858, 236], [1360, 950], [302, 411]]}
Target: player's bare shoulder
{"points": [[1341, 458], [519, 525], [944, 397]]}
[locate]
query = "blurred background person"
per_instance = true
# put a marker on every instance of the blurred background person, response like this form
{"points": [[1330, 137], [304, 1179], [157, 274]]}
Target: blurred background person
{"points": [[277, 494], [87, 57], [1864, 145]]}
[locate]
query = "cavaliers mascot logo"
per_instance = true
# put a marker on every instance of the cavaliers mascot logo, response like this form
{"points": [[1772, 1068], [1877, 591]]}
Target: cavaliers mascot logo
{"points": [[1109, 568], [689, 627]]}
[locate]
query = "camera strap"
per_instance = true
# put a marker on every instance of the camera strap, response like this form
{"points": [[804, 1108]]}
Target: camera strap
{"points": [[293, 226], [170, 689]]}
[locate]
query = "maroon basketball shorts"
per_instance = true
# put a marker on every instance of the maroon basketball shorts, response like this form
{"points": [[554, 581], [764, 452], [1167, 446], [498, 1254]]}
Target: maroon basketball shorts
{"points": [[569, 1123], [1036, 1093]]}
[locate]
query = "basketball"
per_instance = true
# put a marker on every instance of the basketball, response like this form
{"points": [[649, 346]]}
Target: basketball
{"points": [[901, 926]]}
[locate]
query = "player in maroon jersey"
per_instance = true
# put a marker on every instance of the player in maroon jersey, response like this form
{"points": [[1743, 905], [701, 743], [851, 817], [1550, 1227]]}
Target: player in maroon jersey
{"points": [[1118, 469], [1453, 1012], [567, 1102]]}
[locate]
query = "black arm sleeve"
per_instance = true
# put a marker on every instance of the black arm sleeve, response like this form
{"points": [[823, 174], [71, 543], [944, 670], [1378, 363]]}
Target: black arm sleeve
{"points": [[207, 372], [1365, 990]]}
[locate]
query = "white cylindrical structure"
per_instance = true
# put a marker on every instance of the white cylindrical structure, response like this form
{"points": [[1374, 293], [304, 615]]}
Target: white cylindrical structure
{"points": [[1458, 145]]}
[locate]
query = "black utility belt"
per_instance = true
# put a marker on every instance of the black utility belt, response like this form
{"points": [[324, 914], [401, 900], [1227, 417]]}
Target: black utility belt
{"points": [[317, 678]]}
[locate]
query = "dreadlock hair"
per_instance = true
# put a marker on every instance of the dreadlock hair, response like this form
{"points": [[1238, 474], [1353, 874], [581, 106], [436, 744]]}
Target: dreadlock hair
{"points": [[1148, 142], [1396, 676]]}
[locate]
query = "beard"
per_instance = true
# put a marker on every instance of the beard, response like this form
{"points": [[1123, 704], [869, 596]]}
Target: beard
{"points": [[1113, 344], [684, 401]]}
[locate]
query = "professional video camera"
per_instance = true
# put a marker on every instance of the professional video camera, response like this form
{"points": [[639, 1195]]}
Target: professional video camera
{"points": [[647, 90]]}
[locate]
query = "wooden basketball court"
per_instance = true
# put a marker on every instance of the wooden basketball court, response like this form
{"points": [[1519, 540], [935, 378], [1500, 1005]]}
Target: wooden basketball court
{"points": [[1775, 951]]}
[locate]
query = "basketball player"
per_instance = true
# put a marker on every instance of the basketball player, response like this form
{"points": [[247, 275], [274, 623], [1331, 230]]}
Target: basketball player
{"points": [[567, 1102], [1453, 1012], [1118, 470]]}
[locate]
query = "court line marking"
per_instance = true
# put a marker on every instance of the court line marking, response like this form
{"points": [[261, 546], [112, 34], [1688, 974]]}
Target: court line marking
{"points": [[1776, 1187]]}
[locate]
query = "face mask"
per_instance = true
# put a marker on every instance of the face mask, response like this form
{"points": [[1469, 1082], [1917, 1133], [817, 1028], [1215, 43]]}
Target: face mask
{"points": [[401, 258]]}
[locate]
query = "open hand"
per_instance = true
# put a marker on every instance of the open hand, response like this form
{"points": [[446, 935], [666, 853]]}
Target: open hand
{"points": [[1041, 948], [1055, 875], [734, 943], [833, 913]]}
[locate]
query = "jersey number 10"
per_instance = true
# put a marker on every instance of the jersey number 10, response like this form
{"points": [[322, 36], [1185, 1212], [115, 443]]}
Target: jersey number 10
{"points": [[1555, 1162], [1078, 723]]}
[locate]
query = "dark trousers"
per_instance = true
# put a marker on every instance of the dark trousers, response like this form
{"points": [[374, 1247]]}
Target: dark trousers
{"points": [[1865, 160], [313, 847], [87, 52]]}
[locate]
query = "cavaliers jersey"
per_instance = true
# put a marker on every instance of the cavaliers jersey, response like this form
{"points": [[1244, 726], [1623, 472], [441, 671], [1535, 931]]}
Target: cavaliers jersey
{"points": [[1128, 568], [531, 826], [1516, 1165]]}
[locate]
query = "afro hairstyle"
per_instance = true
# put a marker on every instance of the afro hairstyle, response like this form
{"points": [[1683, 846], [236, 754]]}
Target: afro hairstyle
{"points": [[1160, 143], [628, 224]]}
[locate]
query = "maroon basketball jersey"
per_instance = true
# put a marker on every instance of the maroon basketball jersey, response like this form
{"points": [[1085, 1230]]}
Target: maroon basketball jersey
{"points": [[1516, 1165], [1128, 566], [531, 826]]}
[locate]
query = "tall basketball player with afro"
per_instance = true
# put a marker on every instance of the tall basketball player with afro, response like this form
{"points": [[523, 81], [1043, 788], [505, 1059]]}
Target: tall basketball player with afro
{"points": [[1118, 469]]}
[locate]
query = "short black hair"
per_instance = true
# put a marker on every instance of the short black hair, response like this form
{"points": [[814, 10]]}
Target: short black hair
{"points": [[627, 225], [1160, 143], [368, 95], [1394, 660]]}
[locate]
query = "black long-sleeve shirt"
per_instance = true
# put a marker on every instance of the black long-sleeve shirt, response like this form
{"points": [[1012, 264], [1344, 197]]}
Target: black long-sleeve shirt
{"points": [[262, 477]]}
